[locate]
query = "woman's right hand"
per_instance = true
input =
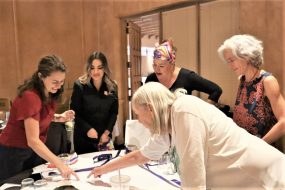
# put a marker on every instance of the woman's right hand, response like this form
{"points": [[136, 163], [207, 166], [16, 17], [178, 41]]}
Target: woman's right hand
{"points": [[66, 172], [92, 133], [96, 172]]}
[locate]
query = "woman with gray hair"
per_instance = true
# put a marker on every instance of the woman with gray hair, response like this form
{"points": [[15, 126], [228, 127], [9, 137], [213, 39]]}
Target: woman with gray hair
{"points": [[211, 150], [259, 106]]}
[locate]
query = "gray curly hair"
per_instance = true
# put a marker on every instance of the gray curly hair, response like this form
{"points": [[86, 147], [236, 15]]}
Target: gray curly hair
{"points": [[244, 47]]}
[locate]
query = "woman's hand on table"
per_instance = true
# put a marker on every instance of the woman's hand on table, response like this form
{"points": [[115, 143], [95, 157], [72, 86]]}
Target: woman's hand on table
{"points": [[96, 172], [66, 172]]}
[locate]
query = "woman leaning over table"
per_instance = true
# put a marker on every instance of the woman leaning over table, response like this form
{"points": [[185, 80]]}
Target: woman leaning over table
{"points": [[213, 152], [167, 73], [95, 102], [22, 141], [259, 106]]}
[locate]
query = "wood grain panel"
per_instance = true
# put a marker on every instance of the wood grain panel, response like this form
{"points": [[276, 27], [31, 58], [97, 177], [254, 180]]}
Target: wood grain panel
{"points": [[55, 29], [8, 67]]}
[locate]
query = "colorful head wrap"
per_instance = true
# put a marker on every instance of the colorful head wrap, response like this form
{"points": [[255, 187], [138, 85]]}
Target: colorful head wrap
{"points": [[165, 51]]}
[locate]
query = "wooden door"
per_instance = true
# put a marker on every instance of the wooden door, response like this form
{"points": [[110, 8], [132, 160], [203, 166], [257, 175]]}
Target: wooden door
{"points": [[134, 60]]}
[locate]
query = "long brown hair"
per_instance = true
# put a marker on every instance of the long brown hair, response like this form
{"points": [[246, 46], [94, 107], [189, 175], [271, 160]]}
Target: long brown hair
{"points": [[86, 78], [47, 65]]}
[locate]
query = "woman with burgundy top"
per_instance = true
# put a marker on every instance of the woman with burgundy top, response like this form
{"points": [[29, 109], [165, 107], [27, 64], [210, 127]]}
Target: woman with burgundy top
{"points": [[260, 106], [22, 141]]}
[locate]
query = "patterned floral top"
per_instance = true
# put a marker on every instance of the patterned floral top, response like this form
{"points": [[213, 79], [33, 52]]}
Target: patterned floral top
{"points": [[252, 109]]}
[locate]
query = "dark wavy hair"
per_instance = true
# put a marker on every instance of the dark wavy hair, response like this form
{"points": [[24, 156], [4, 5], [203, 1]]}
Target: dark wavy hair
{"points": [[86, 78], [47, 65]]}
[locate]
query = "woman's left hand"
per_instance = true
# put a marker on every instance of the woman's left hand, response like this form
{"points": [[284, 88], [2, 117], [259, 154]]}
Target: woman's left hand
{"points": [[104, 138], [68, 115]]}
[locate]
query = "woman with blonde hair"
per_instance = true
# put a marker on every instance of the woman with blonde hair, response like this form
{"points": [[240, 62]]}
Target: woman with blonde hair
{"points": [[95, 102], [211, 150]]}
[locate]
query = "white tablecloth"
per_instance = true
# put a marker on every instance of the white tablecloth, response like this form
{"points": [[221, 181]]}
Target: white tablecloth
{"points": [[141, 179]]}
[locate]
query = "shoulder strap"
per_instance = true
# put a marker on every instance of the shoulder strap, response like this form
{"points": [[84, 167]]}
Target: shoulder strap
{"points": [[266, 74]]}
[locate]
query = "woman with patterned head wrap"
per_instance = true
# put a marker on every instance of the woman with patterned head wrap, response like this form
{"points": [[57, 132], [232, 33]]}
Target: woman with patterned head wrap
{"points": [[173, 77]]}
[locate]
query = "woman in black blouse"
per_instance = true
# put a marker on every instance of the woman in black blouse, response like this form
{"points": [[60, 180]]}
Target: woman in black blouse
{"points": [[95, 102], [173, 77]]}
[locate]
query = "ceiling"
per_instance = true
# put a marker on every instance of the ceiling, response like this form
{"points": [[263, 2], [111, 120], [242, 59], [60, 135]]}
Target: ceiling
{"points": [[149, 25]]}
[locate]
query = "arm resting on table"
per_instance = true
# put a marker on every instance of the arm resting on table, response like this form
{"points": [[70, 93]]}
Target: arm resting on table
{"points": [[133, 158]]}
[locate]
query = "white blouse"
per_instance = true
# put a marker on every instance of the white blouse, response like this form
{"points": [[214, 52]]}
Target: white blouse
{"points": [[214, 152]]}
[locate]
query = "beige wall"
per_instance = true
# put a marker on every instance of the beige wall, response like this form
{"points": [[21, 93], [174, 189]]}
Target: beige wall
{"points": [[180, 25], [264, 19], [219, 21]]}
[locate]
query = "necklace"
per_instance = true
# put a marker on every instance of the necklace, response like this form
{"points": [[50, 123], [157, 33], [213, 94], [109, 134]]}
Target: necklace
{"points": [[254, 75]]}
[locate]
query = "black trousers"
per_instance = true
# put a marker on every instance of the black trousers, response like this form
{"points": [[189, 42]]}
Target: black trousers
{"points": [[84, 144], [57, 141], [15, 160]]}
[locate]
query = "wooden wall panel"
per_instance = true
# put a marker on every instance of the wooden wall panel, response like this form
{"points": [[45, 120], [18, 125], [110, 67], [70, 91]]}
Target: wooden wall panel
{"points": [[218, 13], [91, 28], [55, 29], [264, 20], [70, 29], [180, 25], [8, 61]]}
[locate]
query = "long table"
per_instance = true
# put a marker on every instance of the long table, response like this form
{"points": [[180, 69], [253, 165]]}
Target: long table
{"points": [[144, 177]]}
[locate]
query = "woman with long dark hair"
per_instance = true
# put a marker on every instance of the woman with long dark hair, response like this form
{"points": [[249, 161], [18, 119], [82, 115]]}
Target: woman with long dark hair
{"points": [[22, 140], [95, 102]]}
